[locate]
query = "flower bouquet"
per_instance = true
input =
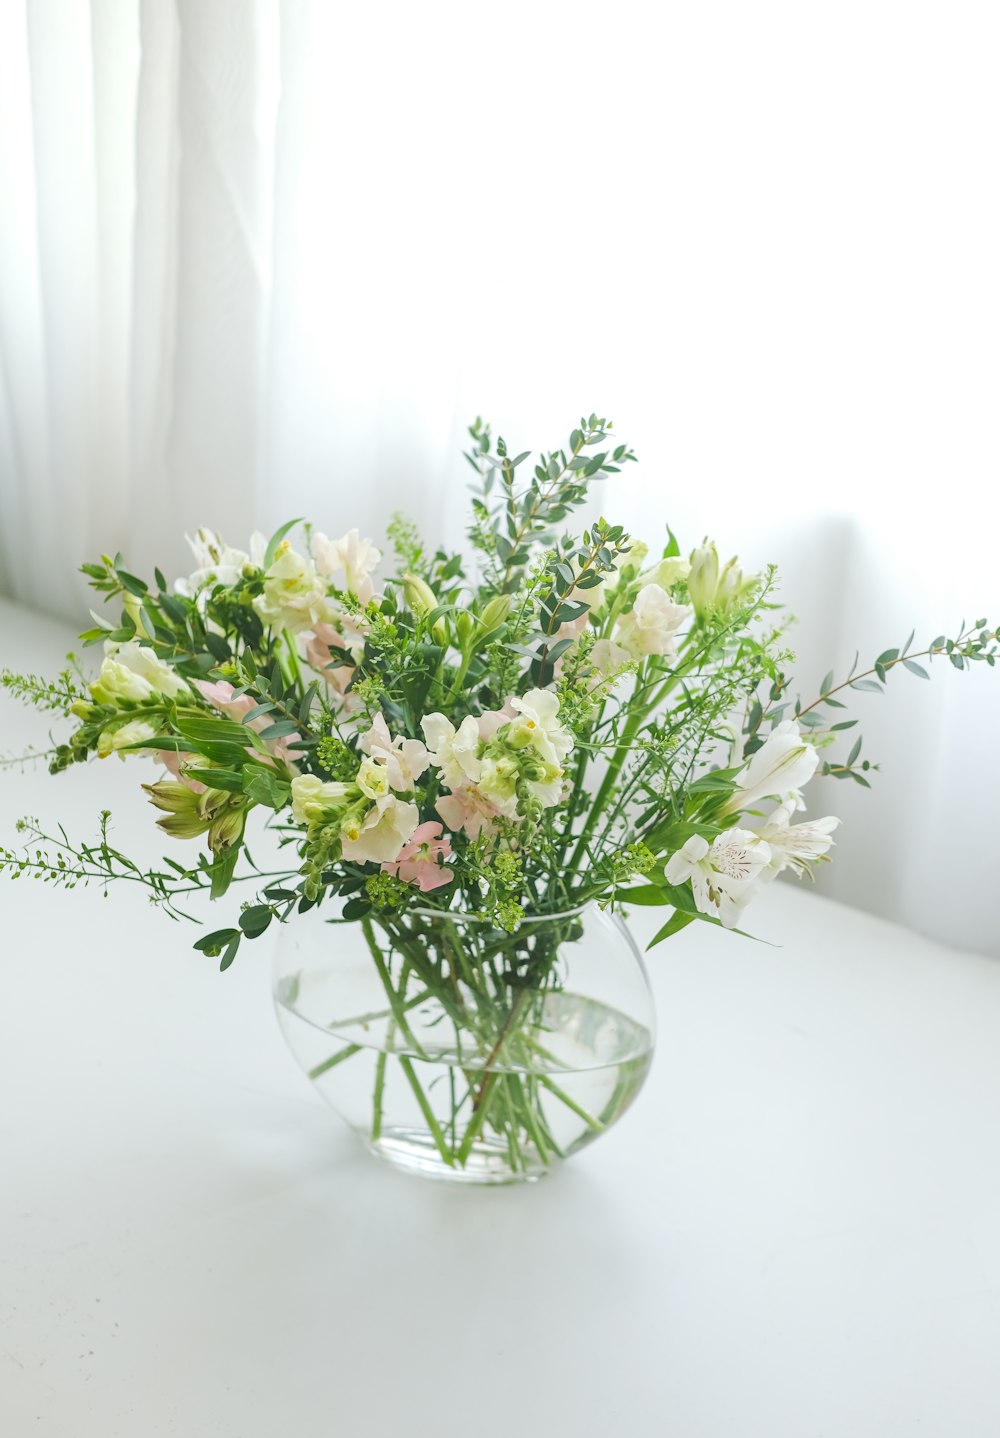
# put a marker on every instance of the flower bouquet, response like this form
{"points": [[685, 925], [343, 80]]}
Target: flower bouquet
{"points": [[469, 770]]}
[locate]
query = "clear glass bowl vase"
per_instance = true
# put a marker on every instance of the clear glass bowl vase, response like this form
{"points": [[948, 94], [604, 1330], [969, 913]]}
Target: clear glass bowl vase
{"points": [[462, 1052]]}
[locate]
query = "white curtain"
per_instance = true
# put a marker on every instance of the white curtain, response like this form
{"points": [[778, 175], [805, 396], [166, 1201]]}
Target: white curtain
{"points": [[261, 259]]}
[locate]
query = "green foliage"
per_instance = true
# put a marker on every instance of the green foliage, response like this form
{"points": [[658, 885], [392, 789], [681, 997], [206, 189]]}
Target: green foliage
{"points": [[269, 680]]}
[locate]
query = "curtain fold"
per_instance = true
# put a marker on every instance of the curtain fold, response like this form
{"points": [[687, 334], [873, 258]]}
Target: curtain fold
{"points": [[262, 258]]}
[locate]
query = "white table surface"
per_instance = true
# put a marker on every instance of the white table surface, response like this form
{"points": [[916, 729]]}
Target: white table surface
{"points": [[796, 1230]]}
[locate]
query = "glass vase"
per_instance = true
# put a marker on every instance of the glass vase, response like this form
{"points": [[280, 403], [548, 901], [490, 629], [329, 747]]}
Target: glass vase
{"points": [[462, 1052]]}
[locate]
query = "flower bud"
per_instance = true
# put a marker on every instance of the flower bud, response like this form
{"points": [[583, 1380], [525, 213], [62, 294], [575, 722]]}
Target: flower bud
{"points": [[464, 626], [495, 611], [423, 601], [81, 709], [703, 580]]}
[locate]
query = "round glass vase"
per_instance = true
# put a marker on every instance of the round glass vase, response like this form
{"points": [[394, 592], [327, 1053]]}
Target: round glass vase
{"points": [[462, 1052]]}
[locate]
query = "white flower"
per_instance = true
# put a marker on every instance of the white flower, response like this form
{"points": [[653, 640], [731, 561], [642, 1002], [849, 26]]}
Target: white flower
{"points": [[712, 588], [454, 751], [215, 563], [313, 799], [778, 769], [135, 732], [357, 558], [667, 572], [372, 780], [383, 831], [607, 656], [404, 760], [795, 846], [498, 783], [132, 671], [294, 596], [539, 725], [724, 875], [651, 626]]}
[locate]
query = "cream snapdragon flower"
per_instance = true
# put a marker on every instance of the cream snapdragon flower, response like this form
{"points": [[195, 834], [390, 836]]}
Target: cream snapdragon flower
{"points": [[539, 724], [404, 760], [294, 596], [314, 800], [454, 751], [380, 835], [651, 625], [132, 671]]}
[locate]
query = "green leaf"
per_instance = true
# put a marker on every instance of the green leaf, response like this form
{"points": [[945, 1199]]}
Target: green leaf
{"points": [[356, 909], [280, 730], [230, 954], [644, 894], [256, 712], [275, 540], [216, 940], [915, 668], [228, 780], [827, 684], [254, 921], [221, 872], [867, 685], [133, 585], [264, 787], [855, 751], [887, 656], [673, 926], [218, 731]]}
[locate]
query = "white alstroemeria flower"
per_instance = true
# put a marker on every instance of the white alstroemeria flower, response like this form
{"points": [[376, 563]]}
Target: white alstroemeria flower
{"points": [[723, 875], [651, 625], [314, 800], [357, 558], [454, 751], [795, 846], [294, 596], [383, 831], [539, 725], [132, 671], [215, 563], [404, 760], [137, 731], [778, 770]]}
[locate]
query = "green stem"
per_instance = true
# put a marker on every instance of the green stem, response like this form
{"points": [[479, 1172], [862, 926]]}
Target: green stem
{"points": [[407, 1066], [337, 1058]]}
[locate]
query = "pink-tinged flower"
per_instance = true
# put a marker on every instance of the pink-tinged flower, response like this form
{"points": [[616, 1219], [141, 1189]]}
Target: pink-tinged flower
{"points": [[466, 809], [493, 719], [420, 861], [220, 696], [404, 760], [319, 656], [176, 764]]}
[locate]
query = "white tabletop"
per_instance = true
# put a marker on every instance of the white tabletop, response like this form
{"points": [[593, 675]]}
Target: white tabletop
{"points": [[796, 1230]]}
